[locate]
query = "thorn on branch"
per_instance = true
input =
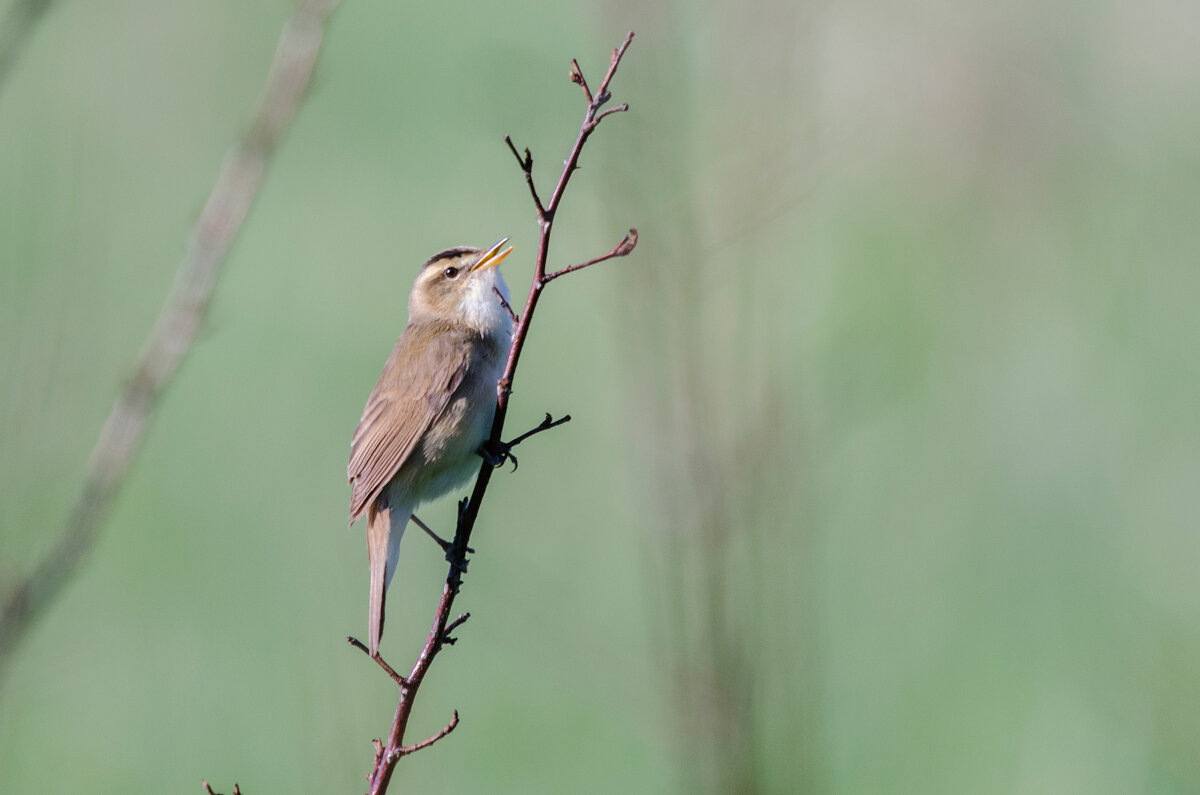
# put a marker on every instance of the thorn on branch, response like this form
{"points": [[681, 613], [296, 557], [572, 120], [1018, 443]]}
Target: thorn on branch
{"points": [[458, 562]]}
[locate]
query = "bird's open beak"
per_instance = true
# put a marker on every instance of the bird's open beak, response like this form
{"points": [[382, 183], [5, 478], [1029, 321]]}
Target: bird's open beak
{"points": [[491, 258]]}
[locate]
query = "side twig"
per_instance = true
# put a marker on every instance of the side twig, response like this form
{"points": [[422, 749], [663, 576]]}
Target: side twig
{"points": [[526, 164], [451, 726], [544, 425], [387, 669], [394, 749], [620, 250], [174, 331], [576, 75], [507, 307], [503, 451]]}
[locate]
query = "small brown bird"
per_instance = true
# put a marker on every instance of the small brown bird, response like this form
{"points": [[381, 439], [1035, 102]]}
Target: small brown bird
{"points": [[431, 410]]}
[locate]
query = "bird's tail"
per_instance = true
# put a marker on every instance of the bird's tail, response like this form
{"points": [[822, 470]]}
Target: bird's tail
{"points": [[385, 527]]}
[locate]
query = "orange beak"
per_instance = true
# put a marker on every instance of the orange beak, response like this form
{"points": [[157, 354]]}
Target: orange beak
{"points": [[492, 257]]}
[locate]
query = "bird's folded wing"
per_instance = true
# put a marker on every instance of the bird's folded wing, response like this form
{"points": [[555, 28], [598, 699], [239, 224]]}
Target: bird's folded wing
{"points": [[415, 387]]}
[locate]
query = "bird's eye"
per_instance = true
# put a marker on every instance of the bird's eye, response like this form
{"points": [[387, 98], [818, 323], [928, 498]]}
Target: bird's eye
{"points": [[450, 273]]}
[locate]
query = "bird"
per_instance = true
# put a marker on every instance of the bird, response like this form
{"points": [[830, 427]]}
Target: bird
{"points": [[423, 429]]}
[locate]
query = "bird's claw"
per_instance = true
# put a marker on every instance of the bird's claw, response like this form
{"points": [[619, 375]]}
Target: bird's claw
{"points": [[497, 453]]}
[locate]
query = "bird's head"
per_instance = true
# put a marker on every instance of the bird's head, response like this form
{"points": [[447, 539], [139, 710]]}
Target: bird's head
{"points": [[459, 286]]}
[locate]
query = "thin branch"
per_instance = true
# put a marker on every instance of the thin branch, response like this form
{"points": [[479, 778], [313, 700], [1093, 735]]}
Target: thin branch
{"points": [[437, 539], [409, 749], [500, 452], [617, 54], [507, 306], [453, 625], [378, 658], [175, 330], [576, 75], [620, 250], [590, 121], [468, 513], [526, 164], [544, 425], [615, 109], [208, 789]]}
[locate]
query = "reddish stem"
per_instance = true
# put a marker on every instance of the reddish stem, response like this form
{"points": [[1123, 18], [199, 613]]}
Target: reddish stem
{"points": [[394, 749]]}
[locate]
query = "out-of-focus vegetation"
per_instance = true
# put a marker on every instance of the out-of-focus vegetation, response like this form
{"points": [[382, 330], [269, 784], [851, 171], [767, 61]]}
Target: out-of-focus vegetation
{"points": [[883, 470]]}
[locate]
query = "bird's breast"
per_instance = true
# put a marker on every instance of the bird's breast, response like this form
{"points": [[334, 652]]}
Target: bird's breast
{"points": [[447, 455]]}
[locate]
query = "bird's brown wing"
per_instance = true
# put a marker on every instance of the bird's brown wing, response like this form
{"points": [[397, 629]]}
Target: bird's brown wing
{"points": [[424, 370]]}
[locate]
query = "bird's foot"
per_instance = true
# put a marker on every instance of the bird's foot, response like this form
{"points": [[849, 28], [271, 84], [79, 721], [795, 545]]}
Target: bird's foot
{"points": [[496, 453], [457, 563]]}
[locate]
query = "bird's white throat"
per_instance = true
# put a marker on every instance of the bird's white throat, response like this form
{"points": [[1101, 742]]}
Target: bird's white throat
{"points": [[480, 307]]}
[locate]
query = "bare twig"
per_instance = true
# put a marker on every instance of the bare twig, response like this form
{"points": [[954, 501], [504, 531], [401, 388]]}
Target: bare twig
{"points": [[620, 250], [451, 726], [453, 625], [499, 452], [544, 425], [378, 658], [171, 338], [437, 539], [507, 306], [208, 789], [526, 164], [576, 75], [615, 109], [394, 748]]}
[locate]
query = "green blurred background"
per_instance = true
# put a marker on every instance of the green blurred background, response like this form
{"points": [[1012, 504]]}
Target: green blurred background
{"points": [[883, 475]]}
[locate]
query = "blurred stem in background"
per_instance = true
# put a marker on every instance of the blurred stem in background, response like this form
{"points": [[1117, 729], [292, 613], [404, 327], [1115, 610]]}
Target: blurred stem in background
{"points": [[708, 381], [16, 26], [175, 330]]}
